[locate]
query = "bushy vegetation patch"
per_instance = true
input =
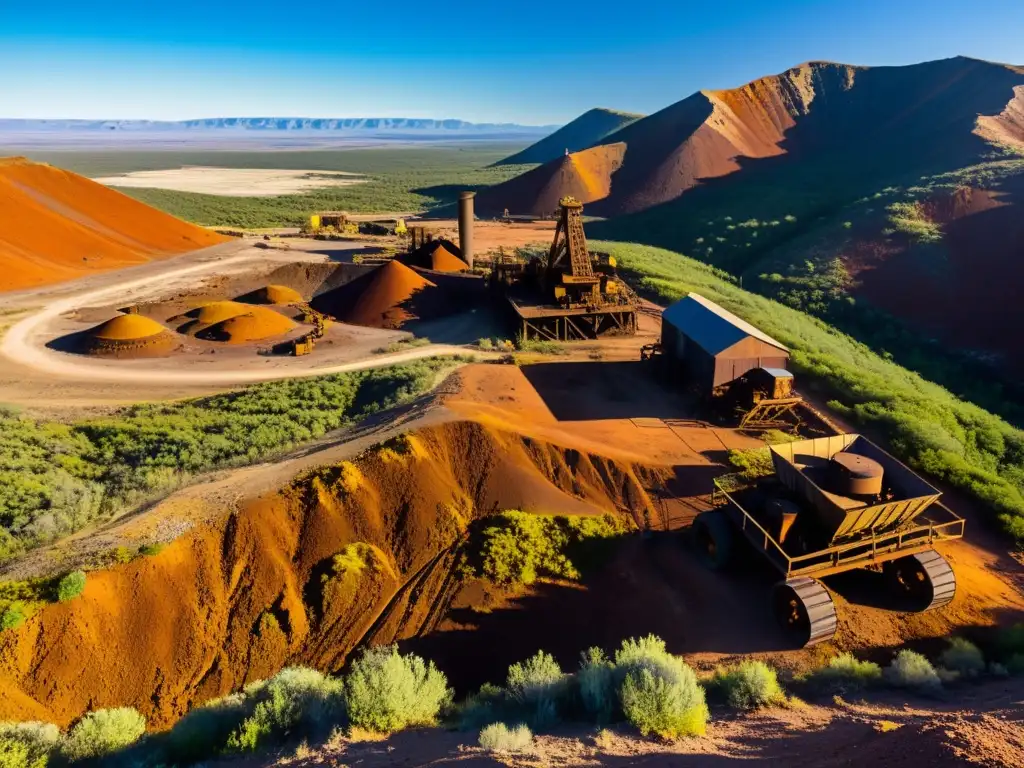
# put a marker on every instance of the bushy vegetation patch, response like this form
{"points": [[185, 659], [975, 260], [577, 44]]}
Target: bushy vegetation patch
{"points": [[844, 674], [595, 681], [748, 685], [498, 737], [659, 692], [297, 701], [57, 478], [385, 691], [27, 745], [12, 617], [537, 689], [925, 425], [71, 586], [912, 670], [518, 547], [963, 657], [102, 733]]}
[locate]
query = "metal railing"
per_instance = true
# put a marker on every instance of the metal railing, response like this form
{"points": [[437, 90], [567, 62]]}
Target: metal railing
{"points": [[876, 548]]}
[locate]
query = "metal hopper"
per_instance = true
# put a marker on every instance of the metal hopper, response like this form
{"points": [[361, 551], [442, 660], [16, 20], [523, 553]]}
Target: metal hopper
{"points": [[806, 468]]}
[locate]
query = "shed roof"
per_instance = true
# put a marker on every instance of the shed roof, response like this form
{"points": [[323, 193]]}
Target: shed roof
{"points": [[712, 327], [778, 373]]}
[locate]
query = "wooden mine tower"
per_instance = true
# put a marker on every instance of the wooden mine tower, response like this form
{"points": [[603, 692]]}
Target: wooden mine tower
{"points": [[577, 294]]}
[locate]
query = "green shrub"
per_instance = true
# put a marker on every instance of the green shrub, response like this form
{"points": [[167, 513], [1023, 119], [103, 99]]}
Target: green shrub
{"points": [[658, 692], [749, 685], [387, 692], [912, 670], [205, 730], [103, 732], [482, 708], [498, 737], [843, 674], [12, 617], [963, 657], [537, 686], [27, 745], [659, 706], [485, 343], [71, 586], [151, 550], [596, 683], [297, 701], [539, 347], [519, 548]]}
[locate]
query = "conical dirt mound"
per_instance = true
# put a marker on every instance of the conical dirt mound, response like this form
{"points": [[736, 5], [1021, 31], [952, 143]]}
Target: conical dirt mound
{"points": [[437, 255], [585, 175], [257, 324], [56, 225], [128, 336], [382, 299], [272, 294]]}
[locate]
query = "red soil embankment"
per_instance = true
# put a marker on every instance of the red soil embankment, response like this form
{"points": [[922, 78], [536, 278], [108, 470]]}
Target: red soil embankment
{"points": [[56, 225], [237, 600]]}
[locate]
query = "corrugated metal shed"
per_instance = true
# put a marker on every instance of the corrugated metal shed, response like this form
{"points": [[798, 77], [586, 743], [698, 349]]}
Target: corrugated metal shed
{"points": [[713, 328]]}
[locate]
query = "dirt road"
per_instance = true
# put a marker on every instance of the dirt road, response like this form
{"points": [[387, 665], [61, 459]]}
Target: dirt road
{"points": [[24, 342]]}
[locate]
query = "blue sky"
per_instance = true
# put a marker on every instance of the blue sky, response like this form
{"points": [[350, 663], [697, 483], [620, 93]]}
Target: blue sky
{"points": [[527, 61]]}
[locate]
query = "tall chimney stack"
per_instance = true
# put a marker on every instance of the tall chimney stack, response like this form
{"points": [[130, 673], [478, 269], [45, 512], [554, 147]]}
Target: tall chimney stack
{"points": [[466, 226]]}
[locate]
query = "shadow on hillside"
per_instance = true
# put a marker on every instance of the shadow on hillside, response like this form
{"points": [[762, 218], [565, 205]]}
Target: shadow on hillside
{"points": [[604, 390]]}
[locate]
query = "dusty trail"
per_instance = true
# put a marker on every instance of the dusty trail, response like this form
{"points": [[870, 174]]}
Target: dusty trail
{"points": [[20, 343]]}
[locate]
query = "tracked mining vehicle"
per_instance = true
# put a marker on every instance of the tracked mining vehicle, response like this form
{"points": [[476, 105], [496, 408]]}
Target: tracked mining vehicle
{"points": [[833, 504]]}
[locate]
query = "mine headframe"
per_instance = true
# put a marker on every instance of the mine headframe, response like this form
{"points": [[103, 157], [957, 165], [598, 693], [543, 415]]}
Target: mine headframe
{"points": [[570, 269]]}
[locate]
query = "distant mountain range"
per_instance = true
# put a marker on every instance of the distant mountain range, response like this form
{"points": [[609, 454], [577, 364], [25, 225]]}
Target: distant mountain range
{"points": [[378, 125]]}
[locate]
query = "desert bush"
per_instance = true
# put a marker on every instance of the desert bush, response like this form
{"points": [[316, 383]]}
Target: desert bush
{"points": [[659, 706], [102, 733], [658, 692], [385, 691], [205, 730], [749, 685], [912, 670], [151, 550], [485, 343], [538, 688], [963, 657], [12, 617], [519, 548], [843, 674], [27, 745], [539, 347], [482, 708], [498, 737], [595, 681], [71, 586], [296, 702]]}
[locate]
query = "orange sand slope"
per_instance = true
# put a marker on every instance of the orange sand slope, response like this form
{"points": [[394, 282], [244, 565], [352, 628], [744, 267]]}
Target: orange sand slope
{"points": [[585, 175], [56, 225]]}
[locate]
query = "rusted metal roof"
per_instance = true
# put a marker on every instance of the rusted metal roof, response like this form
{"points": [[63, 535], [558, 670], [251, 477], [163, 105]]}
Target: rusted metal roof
{"points": [[712, 327]]}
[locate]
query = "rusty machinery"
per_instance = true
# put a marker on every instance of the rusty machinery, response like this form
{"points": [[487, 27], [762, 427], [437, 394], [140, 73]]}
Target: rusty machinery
{"points": [[574, 276], [830, 505], [304, 344]]}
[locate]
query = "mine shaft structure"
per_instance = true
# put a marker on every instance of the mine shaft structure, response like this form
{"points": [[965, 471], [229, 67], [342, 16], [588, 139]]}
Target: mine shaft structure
{"points": [[575, 294], [830, 505]]}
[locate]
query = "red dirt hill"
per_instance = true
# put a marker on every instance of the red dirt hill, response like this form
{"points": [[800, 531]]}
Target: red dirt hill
{"points": [[585, 175], [379, 299], [900, 118], [56, 225]]}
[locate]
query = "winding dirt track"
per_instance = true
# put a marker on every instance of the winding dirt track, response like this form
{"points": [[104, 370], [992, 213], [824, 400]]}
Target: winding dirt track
{"points": [[20, 344]]}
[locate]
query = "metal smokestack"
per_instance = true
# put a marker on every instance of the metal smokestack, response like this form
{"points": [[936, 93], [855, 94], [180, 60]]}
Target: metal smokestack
{"points": [[466, 226]]}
